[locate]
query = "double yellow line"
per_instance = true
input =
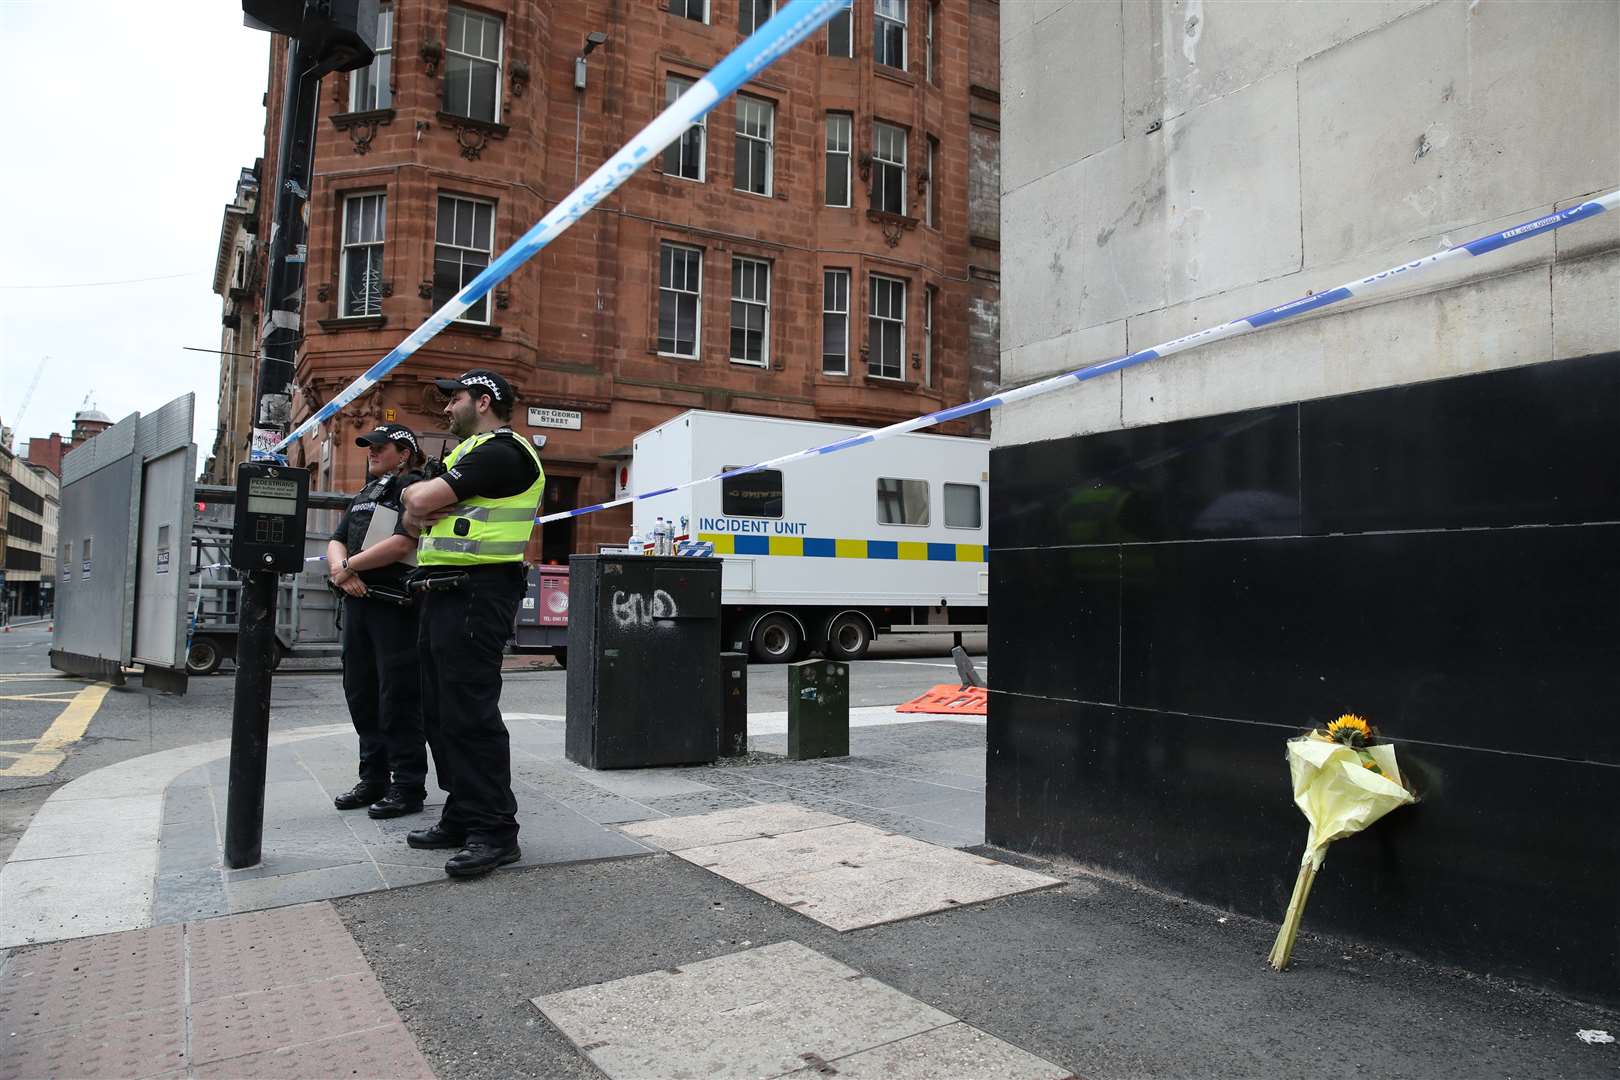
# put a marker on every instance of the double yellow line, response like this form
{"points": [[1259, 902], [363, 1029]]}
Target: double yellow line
{"points": [[49, 750]]}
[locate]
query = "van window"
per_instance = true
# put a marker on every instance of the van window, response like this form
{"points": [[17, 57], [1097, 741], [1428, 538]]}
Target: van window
{"points": [[962, 509], [902, 502], [755, 494]]}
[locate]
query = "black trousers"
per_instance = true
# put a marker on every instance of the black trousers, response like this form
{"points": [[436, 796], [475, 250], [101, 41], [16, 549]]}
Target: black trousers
{"points": [[383, 688], [461, 639]]}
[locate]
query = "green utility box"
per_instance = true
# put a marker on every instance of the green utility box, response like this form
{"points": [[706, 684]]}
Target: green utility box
{"points": [[818, 709]]}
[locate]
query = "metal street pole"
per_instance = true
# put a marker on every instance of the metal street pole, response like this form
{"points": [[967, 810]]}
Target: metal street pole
{"points": [[256, 640]]}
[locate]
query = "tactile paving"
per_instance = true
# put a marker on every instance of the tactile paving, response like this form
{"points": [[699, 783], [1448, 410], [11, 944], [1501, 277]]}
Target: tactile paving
{"points": [[261, 950], [140, 1045], [387, 1051], [282, 993], [91, 980], [247, 1023]]}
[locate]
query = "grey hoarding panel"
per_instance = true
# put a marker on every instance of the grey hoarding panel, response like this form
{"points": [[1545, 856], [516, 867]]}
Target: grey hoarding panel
{"points": [[126, 494], [161, 567], [95, 593]]}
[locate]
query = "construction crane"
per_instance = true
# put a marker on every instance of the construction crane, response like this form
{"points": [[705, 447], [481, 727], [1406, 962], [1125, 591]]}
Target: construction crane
{"points": [[28, 395]]}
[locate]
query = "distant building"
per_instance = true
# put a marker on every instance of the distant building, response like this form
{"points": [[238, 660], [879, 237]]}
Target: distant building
{"points": [[6, 458], [239, 282], [47, 452], [35, 498]]}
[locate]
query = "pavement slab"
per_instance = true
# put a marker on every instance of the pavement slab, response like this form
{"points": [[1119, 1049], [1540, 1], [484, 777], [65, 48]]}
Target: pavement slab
{"points": [[724, 826], [270, 994], [851, 844], [759, 1013], [842, 874]]}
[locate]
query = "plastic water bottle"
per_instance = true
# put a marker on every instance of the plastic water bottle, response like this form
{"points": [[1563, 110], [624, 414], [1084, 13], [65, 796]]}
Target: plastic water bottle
{"points": [[635, 541]]}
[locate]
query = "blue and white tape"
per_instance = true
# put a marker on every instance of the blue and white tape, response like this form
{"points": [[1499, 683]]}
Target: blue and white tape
{"points": [[796, 21], [1236, 328]]}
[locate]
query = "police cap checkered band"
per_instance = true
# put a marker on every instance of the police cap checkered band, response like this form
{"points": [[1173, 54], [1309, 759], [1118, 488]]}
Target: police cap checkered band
{"points": [[478, 381], [397, 433]]}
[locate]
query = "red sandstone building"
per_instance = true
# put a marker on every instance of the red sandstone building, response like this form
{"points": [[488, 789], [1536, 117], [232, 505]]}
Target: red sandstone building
{"points": [[824, 246]]}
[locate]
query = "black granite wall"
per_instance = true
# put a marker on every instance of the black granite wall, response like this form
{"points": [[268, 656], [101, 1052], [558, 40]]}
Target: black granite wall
{"points": [[1172, 603]]}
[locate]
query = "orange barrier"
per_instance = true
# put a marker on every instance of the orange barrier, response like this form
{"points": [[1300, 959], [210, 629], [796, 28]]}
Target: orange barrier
{"points": [[949, 699]]}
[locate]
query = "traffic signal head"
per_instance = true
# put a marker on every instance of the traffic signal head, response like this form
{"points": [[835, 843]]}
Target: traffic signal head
{"points": [[341, 33]]}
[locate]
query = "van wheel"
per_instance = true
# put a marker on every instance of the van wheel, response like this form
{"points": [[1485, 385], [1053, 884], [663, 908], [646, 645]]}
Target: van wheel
{"points": [[204, 656], [848, 637], [776, 639]]}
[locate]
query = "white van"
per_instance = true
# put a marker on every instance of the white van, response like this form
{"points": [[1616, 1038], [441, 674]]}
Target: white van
{"points": [[827, 553]]}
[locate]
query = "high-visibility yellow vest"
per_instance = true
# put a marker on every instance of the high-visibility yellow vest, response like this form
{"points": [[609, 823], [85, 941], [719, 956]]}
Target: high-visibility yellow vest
{"points": [[482, 531]]}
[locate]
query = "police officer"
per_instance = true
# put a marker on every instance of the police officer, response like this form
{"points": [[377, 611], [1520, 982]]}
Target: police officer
{"points": [[474, 521], [367, 558]]}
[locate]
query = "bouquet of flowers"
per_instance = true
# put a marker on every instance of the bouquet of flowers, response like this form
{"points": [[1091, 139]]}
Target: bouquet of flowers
{"points": [[1343, 782]]}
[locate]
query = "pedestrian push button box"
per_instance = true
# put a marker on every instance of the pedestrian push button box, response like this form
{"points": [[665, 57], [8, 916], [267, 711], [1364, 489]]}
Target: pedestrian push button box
{"points": [[271, 503]]}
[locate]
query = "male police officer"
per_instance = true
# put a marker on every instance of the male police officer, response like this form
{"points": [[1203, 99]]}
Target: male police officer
{"points": [[475, 521], [368, 557]]}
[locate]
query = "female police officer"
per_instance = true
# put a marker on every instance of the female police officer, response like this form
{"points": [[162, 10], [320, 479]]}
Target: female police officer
{"points": [[475, 521], [368, 557]]}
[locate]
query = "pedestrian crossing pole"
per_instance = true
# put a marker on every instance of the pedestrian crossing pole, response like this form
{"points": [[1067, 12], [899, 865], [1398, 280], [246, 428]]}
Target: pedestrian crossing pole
{"points": [[325, 36]]}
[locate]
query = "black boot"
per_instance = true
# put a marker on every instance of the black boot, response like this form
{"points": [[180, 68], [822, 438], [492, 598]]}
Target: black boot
{"points": [[480, 858], [435, 836], [395, 804], [362, 794]]}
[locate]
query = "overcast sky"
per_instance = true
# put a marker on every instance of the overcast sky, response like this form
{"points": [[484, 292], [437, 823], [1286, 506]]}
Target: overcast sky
{"points": [[126, 125]]}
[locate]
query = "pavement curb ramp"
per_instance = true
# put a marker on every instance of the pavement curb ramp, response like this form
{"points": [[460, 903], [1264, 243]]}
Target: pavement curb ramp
{"points": [[89, 862]]}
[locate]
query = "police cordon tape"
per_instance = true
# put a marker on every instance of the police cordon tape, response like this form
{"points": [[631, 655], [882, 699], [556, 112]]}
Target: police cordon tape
{"points": [[1236, 328], [796, 21]]}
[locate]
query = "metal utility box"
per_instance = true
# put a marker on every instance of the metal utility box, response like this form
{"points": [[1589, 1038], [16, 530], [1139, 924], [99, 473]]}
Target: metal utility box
{"points": [[818, 709], [734, 712], [644, 685], [541, 625]]}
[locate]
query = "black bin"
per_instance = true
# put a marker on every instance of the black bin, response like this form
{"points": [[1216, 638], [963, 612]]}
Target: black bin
{"points": [[644, 685]]}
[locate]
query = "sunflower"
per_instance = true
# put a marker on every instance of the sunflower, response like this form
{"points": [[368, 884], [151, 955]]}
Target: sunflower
{"points": [[1351, 730]]}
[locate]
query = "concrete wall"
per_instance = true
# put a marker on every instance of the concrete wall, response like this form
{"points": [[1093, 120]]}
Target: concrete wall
{"points": [[1167, 166]]}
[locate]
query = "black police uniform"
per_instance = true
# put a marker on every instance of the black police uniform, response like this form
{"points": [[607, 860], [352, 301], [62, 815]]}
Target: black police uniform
{"points": [[380, 671], [462, 640]]}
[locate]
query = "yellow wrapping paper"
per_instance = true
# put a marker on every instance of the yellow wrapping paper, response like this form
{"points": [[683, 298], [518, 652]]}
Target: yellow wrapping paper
{"points": [[1339, 796]]}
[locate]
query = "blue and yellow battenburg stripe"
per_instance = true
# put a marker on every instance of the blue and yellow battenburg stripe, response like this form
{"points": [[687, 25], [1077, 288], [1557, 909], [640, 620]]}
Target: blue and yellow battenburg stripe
{"points": [[815, 547]]}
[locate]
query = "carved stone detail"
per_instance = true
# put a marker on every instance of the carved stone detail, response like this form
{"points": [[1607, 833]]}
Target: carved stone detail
{"points": [[431, 53], [894, 226], [362, 126], [472, 135]]}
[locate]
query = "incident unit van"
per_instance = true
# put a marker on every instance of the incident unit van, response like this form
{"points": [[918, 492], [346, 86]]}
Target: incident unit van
{"points": [[826, 553]]}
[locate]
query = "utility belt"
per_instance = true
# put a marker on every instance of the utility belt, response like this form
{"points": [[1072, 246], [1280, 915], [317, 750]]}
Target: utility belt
{"points": [[425, 579], [398, 597]]}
